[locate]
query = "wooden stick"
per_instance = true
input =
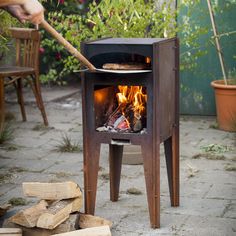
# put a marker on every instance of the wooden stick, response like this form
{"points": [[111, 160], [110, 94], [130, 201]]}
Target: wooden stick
{"points": [[219, 51], [67, 45]]}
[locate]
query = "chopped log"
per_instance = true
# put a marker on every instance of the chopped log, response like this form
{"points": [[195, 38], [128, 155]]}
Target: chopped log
{"points": [[4, 208], [10, 232], [52, 191], [88, 221], [58, 212], [69, 225], [95, 231], [29, 217]]}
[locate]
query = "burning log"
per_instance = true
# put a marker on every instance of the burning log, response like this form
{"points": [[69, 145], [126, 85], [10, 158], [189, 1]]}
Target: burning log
{"points": [[137, 125], [113, 118], [129, 114], [121, 123]]}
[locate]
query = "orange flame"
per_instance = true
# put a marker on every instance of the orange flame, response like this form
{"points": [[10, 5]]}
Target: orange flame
{"points": [[132, 95]]}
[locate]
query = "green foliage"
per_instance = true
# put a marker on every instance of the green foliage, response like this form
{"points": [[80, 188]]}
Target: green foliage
{"points": [[5, 22], [56, 61], [18, 201], [6, 133], [67, 145], [224, 12], [109, 18], [192, 33], [123, 18], [216, 148], [129, 18]]}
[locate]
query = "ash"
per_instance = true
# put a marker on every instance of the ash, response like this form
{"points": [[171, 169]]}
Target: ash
{"points": [[115, 130]]}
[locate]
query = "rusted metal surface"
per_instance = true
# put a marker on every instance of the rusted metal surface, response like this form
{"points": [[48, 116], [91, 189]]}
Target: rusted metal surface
{"points": [[162, 115]]}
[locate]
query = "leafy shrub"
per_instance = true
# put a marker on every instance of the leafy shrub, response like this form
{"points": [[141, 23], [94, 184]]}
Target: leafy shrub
{"points": [[5, 22], [112, 18], [65, 17], [6, 133], [109, 18]]}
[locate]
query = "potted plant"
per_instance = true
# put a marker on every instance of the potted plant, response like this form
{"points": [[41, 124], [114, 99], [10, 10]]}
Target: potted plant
{"points": [[225, 90]]}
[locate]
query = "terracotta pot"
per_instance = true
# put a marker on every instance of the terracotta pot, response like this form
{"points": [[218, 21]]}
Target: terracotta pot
{"points": [[225, 96]]}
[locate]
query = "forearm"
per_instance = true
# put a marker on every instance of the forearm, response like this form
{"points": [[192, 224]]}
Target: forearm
{"points": [[4, 3]]}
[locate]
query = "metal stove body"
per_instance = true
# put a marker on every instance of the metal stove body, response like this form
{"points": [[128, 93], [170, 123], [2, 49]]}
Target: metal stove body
{"points": [[162, 116]]}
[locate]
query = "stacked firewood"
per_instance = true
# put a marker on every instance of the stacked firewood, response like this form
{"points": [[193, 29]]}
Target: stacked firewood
{"points": [[57, 212]]}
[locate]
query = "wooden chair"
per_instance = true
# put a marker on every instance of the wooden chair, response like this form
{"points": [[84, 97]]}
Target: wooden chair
{"points": [[26, 68]]}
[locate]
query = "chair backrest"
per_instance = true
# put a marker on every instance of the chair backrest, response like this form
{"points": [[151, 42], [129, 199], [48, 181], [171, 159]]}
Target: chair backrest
{"points": [[27, 47]]}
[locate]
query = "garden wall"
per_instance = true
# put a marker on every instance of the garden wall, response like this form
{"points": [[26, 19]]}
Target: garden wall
{"points": [[197, 97]]}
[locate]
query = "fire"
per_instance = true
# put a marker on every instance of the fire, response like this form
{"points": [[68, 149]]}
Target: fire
{"points": [[132, 95], [124, 113], [132, 98], [121, 96]]}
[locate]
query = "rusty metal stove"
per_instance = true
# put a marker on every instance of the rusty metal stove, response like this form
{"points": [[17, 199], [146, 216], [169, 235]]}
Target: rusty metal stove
{"points": [[162, 116]]}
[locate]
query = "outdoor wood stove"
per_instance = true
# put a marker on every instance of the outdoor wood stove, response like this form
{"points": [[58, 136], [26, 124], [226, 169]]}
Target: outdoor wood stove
{"points": [[108, 120]]}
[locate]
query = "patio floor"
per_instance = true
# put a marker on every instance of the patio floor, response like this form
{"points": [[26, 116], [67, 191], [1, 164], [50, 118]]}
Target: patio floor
{"points": [[207, 187]]}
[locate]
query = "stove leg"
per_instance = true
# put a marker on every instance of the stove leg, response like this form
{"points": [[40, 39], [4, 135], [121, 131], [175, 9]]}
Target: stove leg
{"points": [[172, 163], [91, 168], [115, 161], [151, 162]]}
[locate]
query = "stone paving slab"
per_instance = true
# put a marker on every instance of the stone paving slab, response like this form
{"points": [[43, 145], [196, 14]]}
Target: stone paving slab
{"points": [[222, 191], [207, 186], [202, 226], [47, 94], [199, 207], [231, 210]]}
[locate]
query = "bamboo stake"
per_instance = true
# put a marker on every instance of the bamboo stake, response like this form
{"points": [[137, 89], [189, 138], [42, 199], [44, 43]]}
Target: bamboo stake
{"points": [[219, 51]]}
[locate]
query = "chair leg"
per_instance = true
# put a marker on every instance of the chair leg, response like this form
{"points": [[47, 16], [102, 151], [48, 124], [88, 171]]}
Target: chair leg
{"points": [[38, 96], [115, 160], [19, 90], [2, 105]]}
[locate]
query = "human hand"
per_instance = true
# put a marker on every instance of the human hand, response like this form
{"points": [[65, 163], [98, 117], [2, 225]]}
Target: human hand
{"points": [[23, 10], [18, 12], [35, 11]]}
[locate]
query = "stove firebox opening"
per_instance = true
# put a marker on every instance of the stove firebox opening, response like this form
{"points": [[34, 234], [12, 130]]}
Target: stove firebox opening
{"points": [[120, 108]]}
